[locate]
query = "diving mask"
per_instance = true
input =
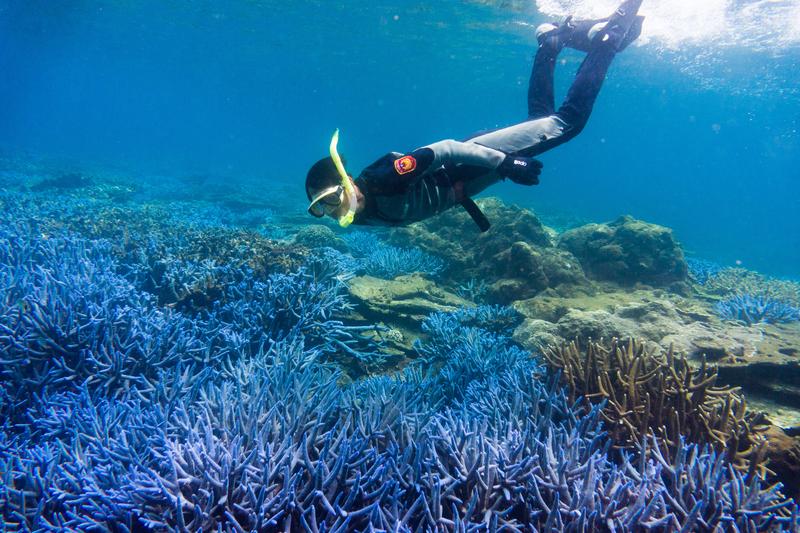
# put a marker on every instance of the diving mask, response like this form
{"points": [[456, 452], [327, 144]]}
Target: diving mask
{"points": [[326, 200]]}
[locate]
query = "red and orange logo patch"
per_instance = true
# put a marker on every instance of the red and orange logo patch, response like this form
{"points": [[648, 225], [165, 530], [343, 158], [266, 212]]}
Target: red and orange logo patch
{"points": [[405, 164]]}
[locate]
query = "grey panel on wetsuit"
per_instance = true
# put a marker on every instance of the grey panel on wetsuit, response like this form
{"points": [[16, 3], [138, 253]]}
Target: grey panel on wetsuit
{"points": [[450, 151], [522, 136]]}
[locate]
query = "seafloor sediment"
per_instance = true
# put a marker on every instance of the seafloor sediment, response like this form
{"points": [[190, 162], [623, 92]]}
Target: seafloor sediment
{"points": [[178, 355]]}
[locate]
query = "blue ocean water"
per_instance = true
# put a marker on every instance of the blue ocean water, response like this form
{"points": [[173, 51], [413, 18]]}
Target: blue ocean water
{"points": [[695, 129], [193, 352]]}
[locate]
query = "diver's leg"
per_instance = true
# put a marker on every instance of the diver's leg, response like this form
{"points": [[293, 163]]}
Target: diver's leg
{"points": [[605, 44], [540, 134], [541, 95], [583, 93]]}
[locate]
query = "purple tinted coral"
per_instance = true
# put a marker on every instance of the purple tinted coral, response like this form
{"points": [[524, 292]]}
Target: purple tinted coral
{"points": [[280, 445], [66, 317], [448, 330], [390, 261]]}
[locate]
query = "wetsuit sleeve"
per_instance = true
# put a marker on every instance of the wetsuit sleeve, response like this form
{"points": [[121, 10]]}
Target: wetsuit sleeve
{"points": [[395, 172], [450, 152], [410, 168]]}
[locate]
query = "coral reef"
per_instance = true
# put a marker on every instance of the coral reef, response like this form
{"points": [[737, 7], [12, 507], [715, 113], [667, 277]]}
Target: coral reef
{"points": [[701, 270], [371, 456], [648, 394], [515, 259], [627, 251], [754, 309], [520, 258], [660, 318], [474, 290], [318, 236], [403, 302], [389, 262], [67, 317], [733, 281], [487, 326], [525, 270], [502, 449], [381, 260], [150, 241], [452, 235], [168, 370]]}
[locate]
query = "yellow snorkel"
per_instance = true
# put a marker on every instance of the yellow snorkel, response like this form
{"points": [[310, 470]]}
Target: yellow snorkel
{"points": [[347, 219]]}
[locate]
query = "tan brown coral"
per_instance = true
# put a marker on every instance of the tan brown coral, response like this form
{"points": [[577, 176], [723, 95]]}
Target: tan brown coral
{"points": [[661, 394]]}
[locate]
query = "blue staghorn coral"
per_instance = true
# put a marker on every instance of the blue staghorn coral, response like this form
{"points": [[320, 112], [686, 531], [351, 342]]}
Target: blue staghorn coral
{"points": [[280, 445], [384, 261], [754, 309], [701, 270], [121, 414], [67, 316]]}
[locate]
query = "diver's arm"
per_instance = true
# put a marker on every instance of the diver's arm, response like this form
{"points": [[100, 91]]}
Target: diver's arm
{"points": [[450, 152], [410, 168], [522, 170], [394, 173]]}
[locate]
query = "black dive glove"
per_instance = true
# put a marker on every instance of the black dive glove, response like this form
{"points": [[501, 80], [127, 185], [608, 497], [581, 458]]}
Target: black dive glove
{"points": [[522, 170]]}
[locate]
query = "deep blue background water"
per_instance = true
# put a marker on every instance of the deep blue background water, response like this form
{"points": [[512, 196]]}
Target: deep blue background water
{"points": [[702, 140]]}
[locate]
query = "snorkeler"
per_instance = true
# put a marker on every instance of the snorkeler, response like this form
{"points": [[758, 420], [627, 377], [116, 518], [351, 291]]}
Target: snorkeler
{"points": [[399, 189]]}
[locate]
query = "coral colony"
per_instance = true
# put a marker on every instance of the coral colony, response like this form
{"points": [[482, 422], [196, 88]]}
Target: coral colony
{"points": [[754, 309], [385, 261], [153, 382]]}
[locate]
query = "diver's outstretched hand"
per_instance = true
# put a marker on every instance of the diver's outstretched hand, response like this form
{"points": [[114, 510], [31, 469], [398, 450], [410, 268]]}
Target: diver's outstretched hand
{"points": [[522, 170]]}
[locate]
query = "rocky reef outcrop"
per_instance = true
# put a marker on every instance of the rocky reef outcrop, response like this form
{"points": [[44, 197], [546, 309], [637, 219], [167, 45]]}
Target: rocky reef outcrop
{"points": [[453, 235], [317, 235], [400, 305], [627, 251], [516, 258], [519, 257]]}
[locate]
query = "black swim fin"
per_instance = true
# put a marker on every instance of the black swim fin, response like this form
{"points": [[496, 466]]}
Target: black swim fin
{"points": [[579, 34], [633, 33], [616, 31]]}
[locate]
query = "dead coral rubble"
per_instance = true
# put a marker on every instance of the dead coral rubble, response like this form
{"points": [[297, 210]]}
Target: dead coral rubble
{"points": [[648, 393]]}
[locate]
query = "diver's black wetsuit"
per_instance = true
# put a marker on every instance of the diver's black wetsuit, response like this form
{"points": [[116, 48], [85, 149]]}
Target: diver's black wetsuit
{"points": [[401, 189]]}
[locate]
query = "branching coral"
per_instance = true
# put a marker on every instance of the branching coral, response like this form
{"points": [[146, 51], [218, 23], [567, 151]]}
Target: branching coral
{"points": [[733, 281], [280, 445], [486, 325], [65, 316], [647, 394], [150, 240], [473, 290], [381, 260], [121, 414], [754, 309], [389, 262], [701, 270], [327, 263]]}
